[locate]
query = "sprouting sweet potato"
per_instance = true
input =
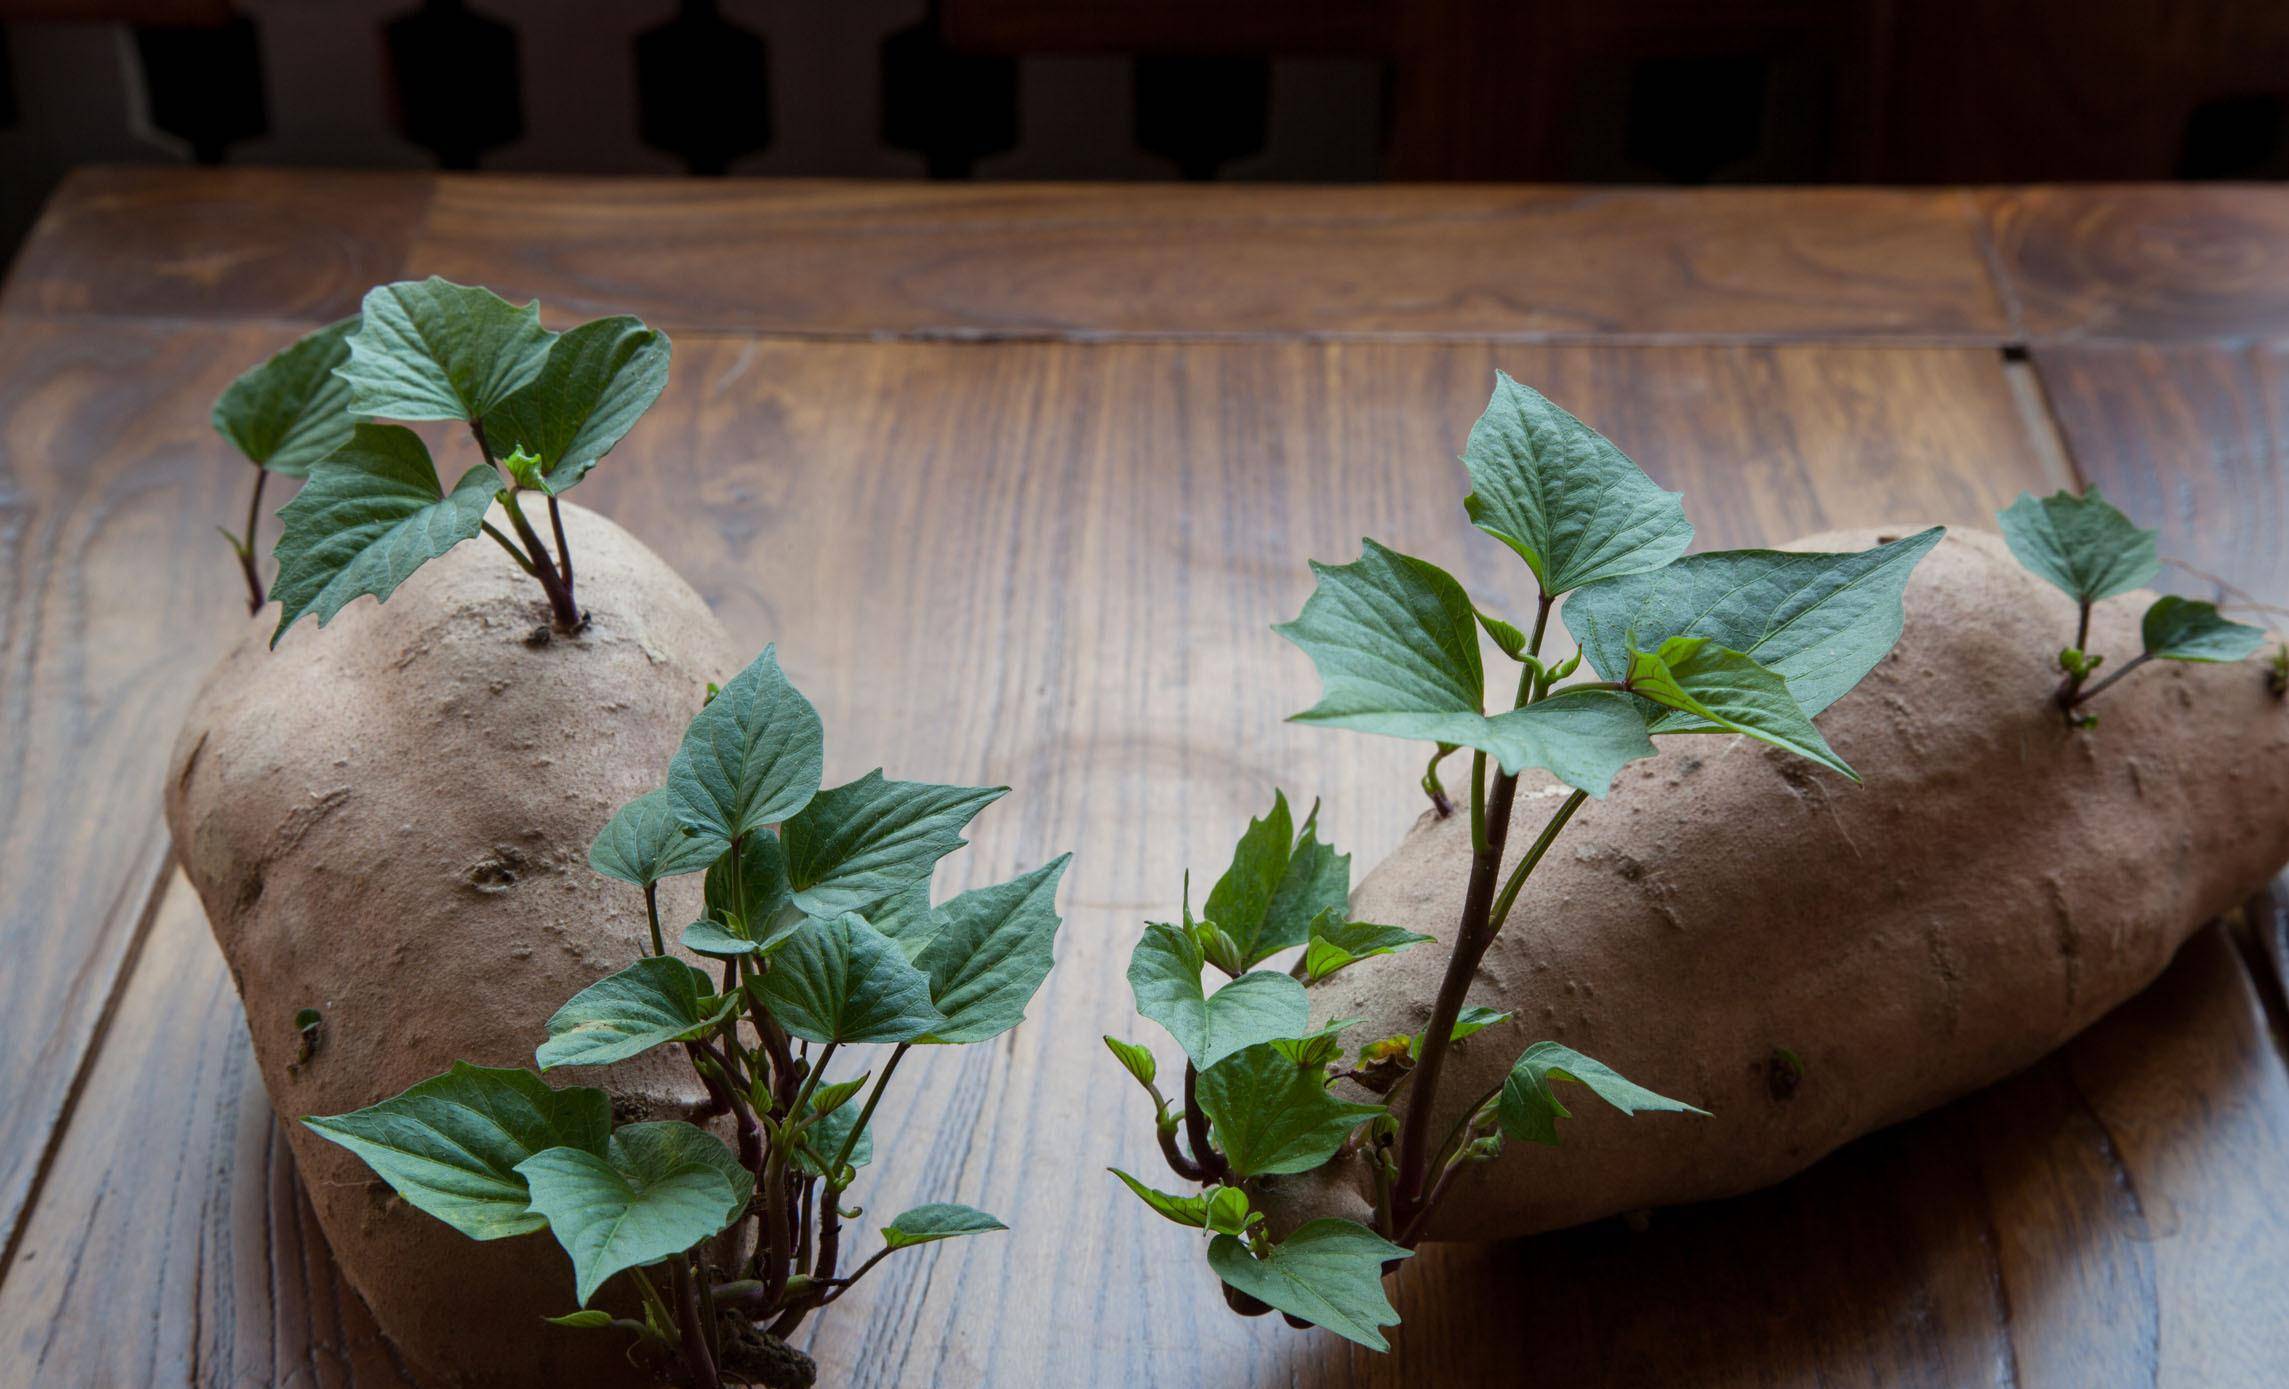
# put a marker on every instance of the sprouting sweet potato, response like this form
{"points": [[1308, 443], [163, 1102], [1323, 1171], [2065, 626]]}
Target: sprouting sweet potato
{"points": [[1810, 960], [390, 820]]}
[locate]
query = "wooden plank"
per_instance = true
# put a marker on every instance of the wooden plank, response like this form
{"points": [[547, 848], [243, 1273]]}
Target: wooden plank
{"points": [[216, 243], [2163, 262], [113, 589], [1074, 551], [1073, 260]]}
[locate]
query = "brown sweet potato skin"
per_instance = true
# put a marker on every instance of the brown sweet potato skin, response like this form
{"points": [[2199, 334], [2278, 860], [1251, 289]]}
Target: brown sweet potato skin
{"points": [[1997, 884], [388, 820]]}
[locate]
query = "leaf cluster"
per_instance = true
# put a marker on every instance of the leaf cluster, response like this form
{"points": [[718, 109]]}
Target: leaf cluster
{"points": [[820, 922]]}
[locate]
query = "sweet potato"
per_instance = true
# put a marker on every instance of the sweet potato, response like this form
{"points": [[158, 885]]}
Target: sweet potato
{"points": [[388, 821], [1810, 960]]}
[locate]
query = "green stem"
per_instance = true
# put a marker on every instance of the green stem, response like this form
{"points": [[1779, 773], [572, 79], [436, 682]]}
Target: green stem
{"points": [[1533, 856], [865, 1115], [510, 546], [2108, 683], [699, 1364]]}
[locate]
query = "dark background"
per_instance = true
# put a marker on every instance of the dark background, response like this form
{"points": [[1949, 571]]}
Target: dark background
{"points": [[1638, 91]]}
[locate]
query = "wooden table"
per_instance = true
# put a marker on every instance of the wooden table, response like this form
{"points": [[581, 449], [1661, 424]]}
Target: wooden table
{"points": [[1064, 451]]}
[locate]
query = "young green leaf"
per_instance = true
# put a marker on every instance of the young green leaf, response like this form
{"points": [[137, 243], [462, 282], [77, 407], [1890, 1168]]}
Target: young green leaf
{"points": [[1395, 642], [857, 844], [1270, 1115], [828, 1098], [752, 757], [1327, 1272], [1471, 1021], [718, 941], [824, 1138], [1164, 975], [594, 1319], [597, 381], [2080, 544], [936, 1221], [434, 350], [992, 953], [1184, 1210], [645, 842], [1731, 691], [1136, 1060], [2181, 629], [658, 1189], [1317, 1047], [1317, 880], [653, 1001], [844, 981], [1228, 1212], [1241, 898], [372, 513], [1821, 620], [1511, 641], [1571, 504], [1335, 943], [451, 1144], [1529, 1109], [765, 902], [292, 410]]}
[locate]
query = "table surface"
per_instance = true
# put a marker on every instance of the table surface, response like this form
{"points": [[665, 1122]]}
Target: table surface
{"points": [[1065, 450]]}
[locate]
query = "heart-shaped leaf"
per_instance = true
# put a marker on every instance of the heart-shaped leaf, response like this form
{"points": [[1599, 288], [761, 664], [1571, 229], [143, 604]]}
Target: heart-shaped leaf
{"points": [[655, 1000], [1335, 943], [292, 410], [859, 843], [1164, 976], [1581, 737], [434, 350], [1267, 1114], [1278, 881], [597, 381], [1733, 692], [659, 1189], [1327, 1272], [936, 1221], [2181, 629], [372, 512], [451, 1145], [844, 981], [1529, 1109], [2081, 544], [751, 758], [992, 953], [1821, 620], [645, 842], [1571, 504]]}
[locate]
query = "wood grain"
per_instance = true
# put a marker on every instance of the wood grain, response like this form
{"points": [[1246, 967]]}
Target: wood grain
{"points": [[842, 259], [2149, 263], [113, 589], [216, 243]]}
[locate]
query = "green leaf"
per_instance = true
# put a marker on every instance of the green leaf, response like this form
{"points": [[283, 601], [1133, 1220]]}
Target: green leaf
{"points": [[372, 513], [597, 381], [1395, 642], [1733, 692], [655, 1000], [1242, 897], [451, 1144], [1571, 504], [2181, 629], [2081, 544], [659, 1189], [434, 350], [1317, 1047], [1228, 1212], [292, 410], [645, 842], [1164, 975], [1582, 737], [844, 981], [1327, 1272], [857, 844], [1268, 1115], [828, 1098], [765, 903], [1468, 1023], [993, 952], [1136, 1060], [1529, 1109], [1184, 1210], [591, 1320], [1821, 620], [824, 1137], [908, 918], [718, 941], [936, 1221], [1317, 880], [752, 757], [1509, 638], [1336, 943]]}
